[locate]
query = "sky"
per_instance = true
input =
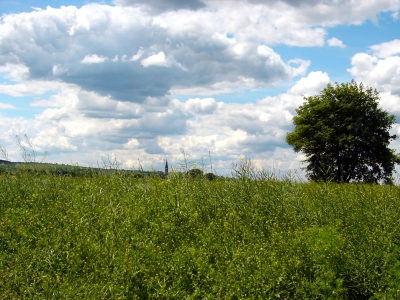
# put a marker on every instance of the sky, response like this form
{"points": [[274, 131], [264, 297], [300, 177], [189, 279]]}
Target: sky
{"points": [[140, 80]]}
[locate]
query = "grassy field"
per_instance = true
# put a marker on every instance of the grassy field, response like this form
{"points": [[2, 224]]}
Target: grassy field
{"points": [[114, 236]]}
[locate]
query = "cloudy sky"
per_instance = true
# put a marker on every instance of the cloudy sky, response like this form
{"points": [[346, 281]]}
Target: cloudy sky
{"points": [[142, 79]]}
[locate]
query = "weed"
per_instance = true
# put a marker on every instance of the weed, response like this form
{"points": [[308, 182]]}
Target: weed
{"points": [[255, 236]]}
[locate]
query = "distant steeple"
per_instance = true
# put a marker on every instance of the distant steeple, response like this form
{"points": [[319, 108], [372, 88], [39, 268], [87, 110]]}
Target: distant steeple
{"points": [[166, 168]]}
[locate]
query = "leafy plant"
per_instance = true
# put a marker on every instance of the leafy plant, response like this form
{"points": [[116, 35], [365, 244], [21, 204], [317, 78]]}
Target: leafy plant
{"points": [[345, 135], [195, 173], [109, 235]]}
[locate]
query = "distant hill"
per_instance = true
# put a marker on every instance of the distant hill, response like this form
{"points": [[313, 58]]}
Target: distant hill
{"points": [[5, 162], [63, 169]]}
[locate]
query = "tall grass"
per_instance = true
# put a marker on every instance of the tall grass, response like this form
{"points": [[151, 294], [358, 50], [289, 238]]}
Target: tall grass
{"points": [[111, 236]]}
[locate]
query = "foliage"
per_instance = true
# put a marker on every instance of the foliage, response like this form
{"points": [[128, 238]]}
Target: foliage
{"points": [[195, 173], [115, 236], [345, 135], [210, 176]]}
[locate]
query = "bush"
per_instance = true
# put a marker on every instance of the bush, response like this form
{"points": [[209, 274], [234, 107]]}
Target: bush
{"points": [[210, 176], [195, 173]]}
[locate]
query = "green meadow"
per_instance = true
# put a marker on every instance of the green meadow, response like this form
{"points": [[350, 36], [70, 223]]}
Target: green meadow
{"points": [[120, 236]]}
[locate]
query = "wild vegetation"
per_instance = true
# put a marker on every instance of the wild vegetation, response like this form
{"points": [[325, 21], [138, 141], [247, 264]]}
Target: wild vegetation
{"points": [[345, 136], [113, 236]]}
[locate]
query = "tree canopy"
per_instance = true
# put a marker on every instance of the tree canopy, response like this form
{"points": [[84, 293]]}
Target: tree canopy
{"points": [[345, 135]]}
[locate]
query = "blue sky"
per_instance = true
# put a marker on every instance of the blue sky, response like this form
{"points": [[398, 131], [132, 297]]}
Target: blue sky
{"points": [[141, 79], [14, 6]]}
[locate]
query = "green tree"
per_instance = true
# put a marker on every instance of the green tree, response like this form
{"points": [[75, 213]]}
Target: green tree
{"points": [[345, 135], [195, 173]]}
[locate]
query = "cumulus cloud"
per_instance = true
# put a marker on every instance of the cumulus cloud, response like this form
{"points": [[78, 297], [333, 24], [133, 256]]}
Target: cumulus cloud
{"points": [[327, 13], [132, 144], [14, 72], [91, 126], [201, 106], [386, 49], [158, 59], [377, 72], [33, 87], [310, 85], [391, 103], [334, 42], [200, 44], [93, 59], [382, 72], [113, 50], [336, 11], [137, 56]]}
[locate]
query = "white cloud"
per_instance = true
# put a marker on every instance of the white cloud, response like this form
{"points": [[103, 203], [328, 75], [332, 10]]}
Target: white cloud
{"points": [[317, 12], [138, 55], [187, 38], [386, 49], [158, 59], [383, 74], [94, 59], [50, 139], [84, 126], [132, 144], [6, 106], [302, 66], [334, 42], [32, 87], [200, 106], [266, 51], [391, 103], [15, 72], [310, 85], [193, 48]]}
